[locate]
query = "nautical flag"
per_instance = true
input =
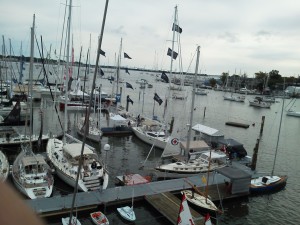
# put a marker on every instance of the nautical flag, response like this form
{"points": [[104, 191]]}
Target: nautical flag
{"points": [[176, 28], [129, 99], [165, 77], [126, 56], [102, 52], [203, 179], [129, 85], [170, 53], [118, 97], [207, 219], [126, 70], [100, 71], [184, 215], [158, 99]]}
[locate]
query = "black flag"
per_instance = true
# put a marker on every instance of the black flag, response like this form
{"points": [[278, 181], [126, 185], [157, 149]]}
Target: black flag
{"points": [[157, 98], [165, 77], [126, 70], [100, 71], [176, 28], [126, 56], [170, 53], [102, 52], [129, 99], [129, 85]]}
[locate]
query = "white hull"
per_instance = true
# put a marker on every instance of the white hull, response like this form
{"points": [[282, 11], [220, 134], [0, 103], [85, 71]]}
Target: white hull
{"points": [[200, 201], [4, 167], [260, 104], [66, 170], [33, 184], [158, 142], [293, 113], [127, 213]]}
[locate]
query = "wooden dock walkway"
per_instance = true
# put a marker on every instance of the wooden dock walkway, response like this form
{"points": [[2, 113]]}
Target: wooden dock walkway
{"points": [[168, 205]]}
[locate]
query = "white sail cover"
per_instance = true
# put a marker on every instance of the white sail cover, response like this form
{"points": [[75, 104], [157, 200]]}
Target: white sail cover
{"points": [[172, 147]]}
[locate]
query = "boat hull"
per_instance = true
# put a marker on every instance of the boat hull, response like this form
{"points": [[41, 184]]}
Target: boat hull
{"points": [[269, 188], [157, 142]]}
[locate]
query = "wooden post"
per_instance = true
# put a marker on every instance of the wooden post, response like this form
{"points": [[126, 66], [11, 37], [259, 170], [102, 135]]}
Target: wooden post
{"points": [[262, 125], [254, 157], [204, 112]]}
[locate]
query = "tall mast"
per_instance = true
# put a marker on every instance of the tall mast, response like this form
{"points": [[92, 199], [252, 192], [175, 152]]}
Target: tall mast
{"points": [[67, 68], [193, 101], [278, 131], [30, 78]]}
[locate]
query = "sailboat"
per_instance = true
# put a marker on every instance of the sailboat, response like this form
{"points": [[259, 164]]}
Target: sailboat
{"points": [[198, 165], [271, 183], [231, 97], [30, 172], [292, 112], [127, 212], [200, 199], [4, 167], [71, 160]]}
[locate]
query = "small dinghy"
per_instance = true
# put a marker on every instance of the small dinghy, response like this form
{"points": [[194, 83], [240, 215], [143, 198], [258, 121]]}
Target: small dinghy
{"points": [[99, 218]]}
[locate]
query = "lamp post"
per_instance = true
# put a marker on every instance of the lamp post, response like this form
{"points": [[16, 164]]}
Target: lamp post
{"points": [[106, 149]]}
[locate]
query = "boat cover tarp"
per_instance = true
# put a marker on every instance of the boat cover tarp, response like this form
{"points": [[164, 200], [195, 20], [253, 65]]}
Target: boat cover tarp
{"points": [[233, 147], [207, 130], [74, 150]]}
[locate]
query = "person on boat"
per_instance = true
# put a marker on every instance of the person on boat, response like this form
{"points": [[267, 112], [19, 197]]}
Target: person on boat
{"points": [[94, 166]]}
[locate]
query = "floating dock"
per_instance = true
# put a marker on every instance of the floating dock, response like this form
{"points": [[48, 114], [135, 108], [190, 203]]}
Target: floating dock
{"points": [[218, 190], [236, 124]]}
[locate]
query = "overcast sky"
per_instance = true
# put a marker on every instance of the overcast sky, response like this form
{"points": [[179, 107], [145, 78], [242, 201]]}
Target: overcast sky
{"points": [[236, 36]]}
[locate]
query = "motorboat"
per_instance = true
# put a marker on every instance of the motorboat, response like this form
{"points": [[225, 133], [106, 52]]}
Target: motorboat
{"points": [[267, 184], [99, 218]]}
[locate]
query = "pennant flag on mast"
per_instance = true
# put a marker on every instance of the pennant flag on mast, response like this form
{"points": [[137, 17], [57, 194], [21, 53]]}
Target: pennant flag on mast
{"points": [[184, 215], [129, 85], [126, 56], [129, 99], [170, 53], [102, 52], [164, 77], [158, 99], [100, 71], [126, 70], [176, 28], [207, 219]]}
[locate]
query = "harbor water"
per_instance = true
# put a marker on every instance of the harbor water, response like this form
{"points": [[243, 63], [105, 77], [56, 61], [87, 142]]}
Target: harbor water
{"points": [[127, 154]]}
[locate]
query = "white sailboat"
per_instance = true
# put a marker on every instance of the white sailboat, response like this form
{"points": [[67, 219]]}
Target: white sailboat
{"points": [[32, 175], [30, 172], [4, 167], [72, 159], [292, 112], [127, 212]]}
